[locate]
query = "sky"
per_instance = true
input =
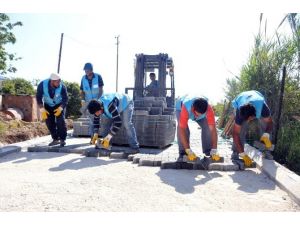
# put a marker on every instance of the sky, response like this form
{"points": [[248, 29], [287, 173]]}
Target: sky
{"points": [[208, 44]]}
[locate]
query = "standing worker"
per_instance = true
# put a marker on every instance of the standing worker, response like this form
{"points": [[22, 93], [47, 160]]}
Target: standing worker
{"points": [[91, 88], [198, 110], [251, 110], [52, 98], [119, 109]]}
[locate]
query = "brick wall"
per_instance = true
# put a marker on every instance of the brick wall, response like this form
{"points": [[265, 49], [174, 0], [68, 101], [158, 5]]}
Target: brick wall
{"points": [[26, 103]]}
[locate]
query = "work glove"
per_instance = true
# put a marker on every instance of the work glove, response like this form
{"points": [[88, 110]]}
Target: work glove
{"points": [[246, 158], [44, 113], [58, 111], [94, 139], [191, 156], [214, 154], [82, 103], [106, 140], [265, 138]]}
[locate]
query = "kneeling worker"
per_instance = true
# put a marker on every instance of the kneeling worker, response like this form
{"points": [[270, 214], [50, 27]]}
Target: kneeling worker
{"points": [[119, 109], [198, 110]]}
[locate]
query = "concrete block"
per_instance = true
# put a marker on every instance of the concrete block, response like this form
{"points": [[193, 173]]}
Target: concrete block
{"points": [[146, 162], [130, 157], [118, 155], [9, 149]]}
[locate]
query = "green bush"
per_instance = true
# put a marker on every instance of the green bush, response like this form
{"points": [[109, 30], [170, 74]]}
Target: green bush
{"points": [[288, 146], [17, 86], [74, 105]]}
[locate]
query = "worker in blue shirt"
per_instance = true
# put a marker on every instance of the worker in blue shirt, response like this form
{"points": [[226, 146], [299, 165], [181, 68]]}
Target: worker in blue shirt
{"points": [[52, 99], [91, 87]]}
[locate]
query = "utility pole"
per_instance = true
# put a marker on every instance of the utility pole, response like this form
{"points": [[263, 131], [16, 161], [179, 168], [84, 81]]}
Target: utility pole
{"points": [[117, 69], [60, 48]]}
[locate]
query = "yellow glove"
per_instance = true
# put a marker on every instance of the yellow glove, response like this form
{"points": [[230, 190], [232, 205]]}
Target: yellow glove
{"points": [[106, 140], [58, 111], [191, 156], [94, 139], [246, 159], [265, 138], [214, 155], [44, 113], [82, 103]]}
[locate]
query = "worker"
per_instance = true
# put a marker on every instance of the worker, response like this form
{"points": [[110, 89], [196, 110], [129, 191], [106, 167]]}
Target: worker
{"points": [[250, 108], [52, 99], [198, 110], [119, 109], [91, 87], [153, 88]]}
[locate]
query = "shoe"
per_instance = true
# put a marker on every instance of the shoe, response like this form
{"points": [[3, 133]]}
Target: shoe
{"points": [[54, 142], [62, 143]]}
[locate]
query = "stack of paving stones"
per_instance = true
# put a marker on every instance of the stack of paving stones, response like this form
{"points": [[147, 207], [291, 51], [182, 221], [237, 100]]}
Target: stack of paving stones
{"points": [[154, 123], [81, 127]]}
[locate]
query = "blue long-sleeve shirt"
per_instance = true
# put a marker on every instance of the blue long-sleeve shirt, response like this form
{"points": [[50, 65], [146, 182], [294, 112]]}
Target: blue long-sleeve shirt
{"points": [[40, 91]]}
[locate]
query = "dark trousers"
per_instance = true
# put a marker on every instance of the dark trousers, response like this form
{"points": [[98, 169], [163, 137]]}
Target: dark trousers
{"points": [[56, 125]]}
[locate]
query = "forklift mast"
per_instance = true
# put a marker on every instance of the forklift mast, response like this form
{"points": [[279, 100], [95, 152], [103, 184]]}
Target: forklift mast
{"points": [[164, 65]]}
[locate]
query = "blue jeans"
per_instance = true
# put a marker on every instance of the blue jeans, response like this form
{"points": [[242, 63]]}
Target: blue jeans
{"points": [[126, 117], [205, 135]]}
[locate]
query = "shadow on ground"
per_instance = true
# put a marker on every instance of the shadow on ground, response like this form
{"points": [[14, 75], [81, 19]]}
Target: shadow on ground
{"points": [[184, 181]]}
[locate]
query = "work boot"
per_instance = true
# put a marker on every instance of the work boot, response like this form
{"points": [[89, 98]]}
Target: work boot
{"points": [[54, 142], [62, 143]]}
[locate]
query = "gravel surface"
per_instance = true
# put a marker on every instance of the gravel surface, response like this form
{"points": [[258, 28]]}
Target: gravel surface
{"points": [[71, 182]]}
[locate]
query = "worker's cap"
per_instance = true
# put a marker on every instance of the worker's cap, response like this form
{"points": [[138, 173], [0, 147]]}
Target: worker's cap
{"points": [[94, 106], [88, 66], [54, 76]]}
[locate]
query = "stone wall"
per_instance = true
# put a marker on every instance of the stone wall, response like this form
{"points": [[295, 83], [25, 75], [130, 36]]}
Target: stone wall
{"points": [[26, 103]]}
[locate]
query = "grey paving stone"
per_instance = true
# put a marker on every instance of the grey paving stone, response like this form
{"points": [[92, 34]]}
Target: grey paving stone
{"points": [[8, 150], [146, 162], [130, 157], [223, 166], [92, 153], [118, 155]]}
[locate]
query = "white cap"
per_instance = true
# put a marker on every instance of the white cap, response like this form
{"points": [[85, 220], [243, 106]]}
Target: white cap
{"points": [[54, 76]]}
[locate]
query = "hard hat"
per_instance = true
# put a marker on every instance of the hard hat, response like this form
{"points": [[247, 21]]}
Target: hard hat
{"points": [[54, 76], [88, 66]]}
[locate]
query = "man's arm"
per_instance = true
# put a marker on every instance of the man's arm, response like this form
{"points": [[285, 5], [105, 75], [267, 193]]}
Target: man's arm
{"points": [[64, 95], [117, 121], [100, 91], [39, 95], [214, 136], [183, 126], [236, 138], [269, 124]]}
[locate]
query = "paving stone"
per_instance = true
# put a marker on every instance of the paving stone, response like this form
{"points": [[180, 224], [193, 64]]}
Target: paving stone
{"points": [[118, 155], [224, 166], [130, 157], [92, 153], [8, 150], [146, 162]]}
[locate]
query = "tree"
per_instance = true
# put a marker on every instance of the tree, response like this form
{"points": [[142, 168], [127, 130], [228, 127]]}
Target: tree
{"points": [[6, 37], [74, 105], [17, 86]]}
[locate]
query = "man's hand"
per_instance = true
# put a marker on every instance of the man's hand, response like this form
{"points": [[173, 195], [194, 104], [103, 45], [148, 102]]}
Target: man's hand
{"points": [[44, 113], [265, 138], [106, 140], [191, 156], [246, 159], [214, 155], [94, 139], [58, 111]]}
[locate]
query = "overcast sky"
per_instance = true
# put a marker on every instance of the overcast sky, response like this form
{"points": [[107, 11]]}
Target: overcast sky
{"points": [[207, 43]]}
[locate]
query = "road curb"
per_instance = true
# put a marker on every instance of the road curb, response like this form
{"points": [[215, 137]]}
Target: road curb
{"points": [[283, 177]]}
